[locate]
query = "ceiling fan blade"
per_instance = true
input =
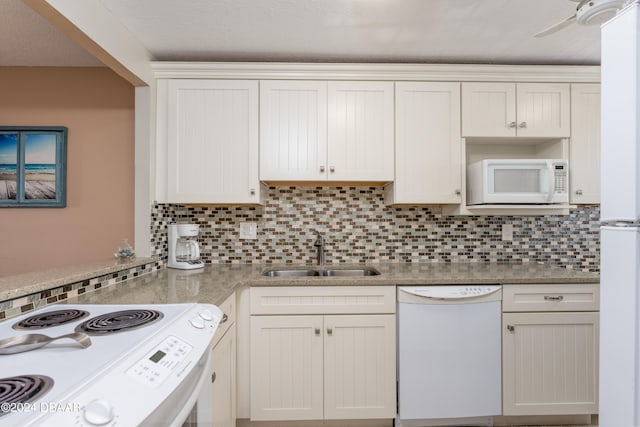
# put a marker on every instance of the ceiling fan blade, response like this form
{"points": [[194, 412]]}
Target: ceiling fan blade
{"points": [[557, 27]]}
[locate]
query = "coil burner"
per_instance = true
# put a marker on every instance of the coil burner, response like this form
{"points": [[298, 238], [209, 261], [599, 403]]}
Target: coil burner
{"points": [[51, 318], [22, 389], [118, 321]]}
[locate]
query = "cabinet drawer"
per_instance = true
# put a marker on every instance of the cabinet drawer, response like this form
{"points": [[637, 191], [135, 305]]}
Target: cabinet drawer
{"points": [[228, 307], [323, 300], [551, 297]]}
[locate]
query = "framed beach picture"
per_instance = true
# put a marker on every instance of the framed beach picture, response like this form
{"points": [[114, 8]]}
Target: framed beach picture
{"points": [[33, 164]]}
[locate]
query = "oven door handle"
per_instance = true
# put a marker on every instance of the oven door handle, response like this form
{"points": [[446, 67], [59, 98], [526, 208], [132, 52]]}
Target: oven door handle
{"points": [[181, 417]]}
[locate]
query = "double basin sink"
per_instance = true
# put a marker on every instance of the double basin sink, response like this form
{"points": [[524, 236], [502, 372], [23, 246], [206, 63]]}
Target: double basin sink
{"points": [[320, 271]]}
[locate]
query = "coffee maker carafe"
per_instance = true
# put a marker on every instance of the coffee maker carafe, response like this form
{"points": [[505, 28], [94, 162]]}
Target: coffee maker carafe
{"points": [[184, 251]]}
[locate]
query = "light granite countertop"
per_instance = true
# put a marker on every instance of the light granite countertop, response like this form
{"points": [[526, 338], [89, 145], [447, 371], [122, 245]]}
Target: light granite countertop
{"points": [[215, 283], [24, 284]]}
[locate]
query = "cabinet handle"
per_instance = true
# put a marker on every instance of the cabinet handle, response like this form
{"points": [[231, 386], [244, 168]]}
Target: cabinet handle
{"points": [[332, 169], [317, 331], [523, 125], [512, 125], [322, 169], [252, 191], [510, 328], [329, 331], [458, 192], [213, 378], [550, 298], [224, 318], [579, 192]]}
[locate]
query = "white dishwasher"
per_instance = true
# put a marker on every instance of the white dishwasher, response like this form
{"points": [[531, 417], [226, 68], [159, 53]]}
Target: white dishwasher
{"points": [[449, 355]]}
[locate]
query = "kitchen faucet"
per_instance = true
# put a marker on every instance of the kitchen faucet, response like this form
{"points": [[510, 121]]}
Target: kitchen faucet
{"points": [[319, 243]]}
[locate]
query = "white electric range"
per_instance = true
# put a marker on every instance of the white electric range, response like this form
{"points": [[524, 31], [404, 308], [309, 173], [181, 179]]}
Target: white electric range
{"points": [[146, 365]]}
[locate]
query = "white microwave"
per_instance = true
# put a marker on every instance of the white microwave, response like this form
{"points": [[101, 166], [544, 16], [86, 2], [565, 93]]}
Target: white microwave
{"points": [[518, 181]]}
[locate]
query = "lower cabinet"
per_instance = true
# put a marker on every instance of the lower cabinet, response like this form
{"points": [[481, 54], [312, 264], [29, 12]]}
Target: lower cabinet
{"points": [[550, 352], [223, 360], [223, 368], [324, 366]]}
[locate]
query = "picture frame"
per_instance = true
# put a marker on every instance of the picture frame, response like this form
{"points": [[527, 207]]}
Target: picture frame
{"points": [[33, 166]]}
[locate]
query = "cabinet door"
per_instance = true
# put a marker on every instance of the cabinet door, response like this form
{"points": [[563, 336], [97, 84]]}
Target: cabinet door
{"points": [[428, 143], [293, 130], [360, 367], [360, 146], [286, 368], [550, 363], [488, 109], [223, 363], [212, 130], [543, 110], [584, 146]]}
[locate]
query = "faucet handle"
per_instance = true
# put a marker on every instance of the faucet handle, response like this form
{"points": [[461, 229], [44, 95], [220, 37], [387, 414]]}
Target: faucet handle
{"points": [[320, 240]]}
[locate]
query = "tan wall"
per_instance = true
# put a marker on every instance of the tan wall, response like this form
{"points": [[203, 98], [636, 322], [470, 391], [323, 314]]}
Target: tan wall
{"points": [[98, 108]]}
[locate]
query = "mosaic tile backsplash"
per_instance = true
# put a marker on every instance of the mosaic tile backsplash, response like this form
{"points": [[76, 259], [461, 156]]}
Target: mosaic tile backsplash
{"points": [[359, 228], [17, 306]]}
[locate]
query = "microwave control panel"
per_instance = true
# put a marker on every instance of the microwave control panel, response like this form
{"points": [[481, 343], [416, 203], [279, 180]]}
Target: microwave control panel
{"points": [[560, 177]]}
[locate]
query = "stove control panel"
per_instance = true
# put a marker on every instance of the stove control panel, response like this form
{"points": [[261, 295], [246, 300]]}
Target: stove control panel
{"points": [[157, 365]]}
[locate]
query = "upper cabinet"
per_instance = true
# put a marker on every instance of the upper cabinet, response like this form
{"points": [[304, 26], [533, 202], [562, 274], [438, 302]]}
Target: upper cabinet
{"points": [[293, 130], [413, 128], [211, 140], [360, 136], [335, 131], [515, 109], [584, 146], [428, 144]]}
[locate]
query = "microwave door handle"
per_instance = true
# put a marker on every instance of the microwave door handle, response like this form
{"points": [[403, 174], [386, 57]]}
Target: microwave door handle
{"points": [[551, 180]]}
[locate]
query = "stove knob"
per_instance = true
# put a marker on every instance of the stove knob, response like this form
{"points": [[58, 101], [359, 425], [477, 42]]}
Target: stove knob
{"points": [[98, 412], [206, 315], [197, 323]]}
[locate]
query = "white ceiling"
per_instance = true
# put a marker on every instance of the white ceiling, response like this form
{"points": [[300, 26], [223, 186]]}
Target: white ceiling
{"points": [[435, 31]]}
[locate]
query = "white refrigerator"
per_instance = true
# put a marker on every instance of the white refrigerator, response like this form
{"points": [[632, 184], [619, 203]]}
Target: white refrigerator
{"points": [[620, 218]]}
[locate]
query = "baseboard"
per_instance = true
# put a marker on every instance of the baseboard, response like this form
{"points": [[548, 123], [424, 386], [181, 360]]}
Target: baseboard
{"points": [[320, 423], [542, 420]]}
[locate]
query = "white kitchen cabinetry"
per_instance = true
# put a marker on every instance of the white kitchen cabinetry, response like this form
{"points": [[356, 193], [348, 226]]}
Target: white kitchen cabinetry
{"points": [[211, 140], [293, 130], [532, 110], [360, 137], [223, 368], [550, 349], [312, 361], [584, 147], [428, 144], [319, 131]]}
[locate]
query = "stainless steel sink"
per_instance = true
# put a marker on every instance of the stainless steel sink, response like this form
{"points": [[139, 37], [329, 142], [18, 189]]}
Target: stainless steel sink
{"points": [[364, 271], [306, 272], [290, 272]]}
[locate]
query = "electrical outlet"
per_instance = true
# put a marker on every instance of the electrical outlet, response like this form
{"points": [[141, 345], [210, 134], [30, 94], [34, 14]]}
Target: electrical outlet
{"points": [[248, 230], [507, 232]]}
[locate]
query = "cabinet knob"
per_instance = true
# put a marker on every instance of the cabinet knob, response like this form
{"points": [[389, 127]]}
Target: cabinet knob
{"points": [[510, 328], [224, 318], [317, 331], [329, 331], [252, 191], [322, 169], [579, 192], [512, 125], [523, 125], [457, 192], [213, 378], [332, 169]]}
